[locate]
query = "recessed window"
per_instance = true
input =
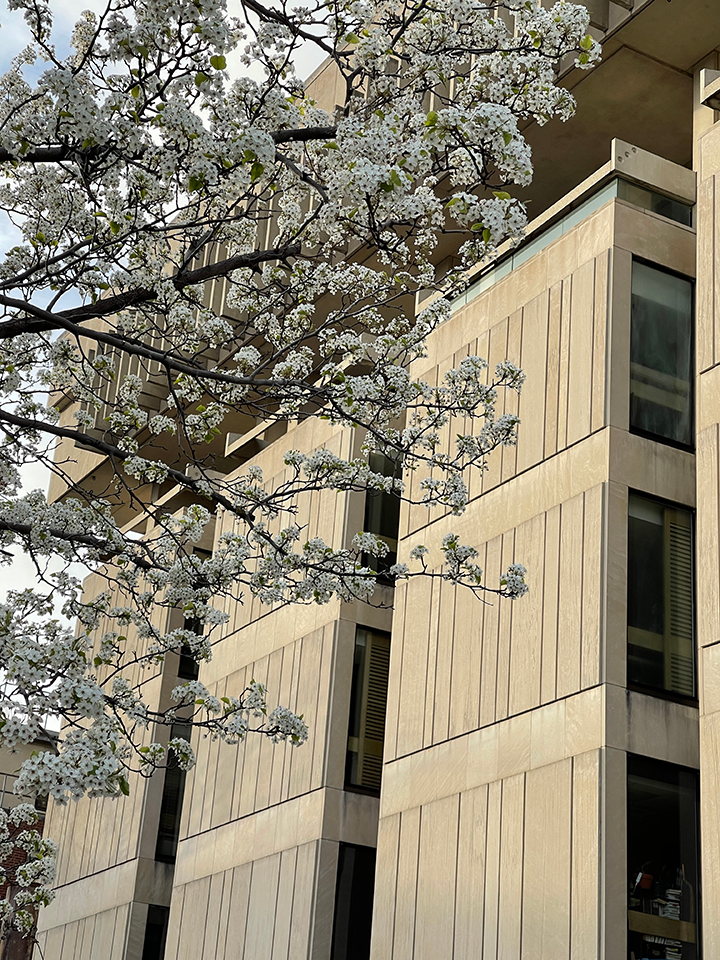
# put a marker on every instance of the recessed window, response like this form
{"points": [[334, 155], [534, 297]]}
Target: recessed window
{"points": [[661, 366], [353, 903], [382, 514], [368, 703], [662, 860], [155, 932], [660, 597], [172, 800]]}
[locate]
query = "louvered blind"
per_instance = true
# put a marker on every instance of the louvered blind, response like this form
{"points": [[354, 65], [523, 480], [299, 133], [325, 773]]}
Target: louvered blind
{"points": [[367, 726], [679, 653]]}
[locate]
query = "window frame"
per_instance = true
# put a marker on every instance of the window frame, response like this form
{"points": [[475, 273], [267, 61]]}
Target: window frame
{"points": [[636, 431], [648, 689]]}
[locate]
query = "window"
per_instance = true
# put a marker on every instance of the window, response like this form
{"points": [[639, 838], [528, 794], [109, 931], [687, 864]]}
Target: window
{"points": [[660, 597], [662, 861], [188, 667], [171, 803], [382, 514], [661, 367], [155, 932], [368, 704], [353, 903]]}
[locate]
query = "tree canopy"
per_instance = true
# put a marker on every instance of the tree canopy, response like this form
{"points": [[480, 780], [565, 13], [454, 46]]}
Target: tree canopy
{"points": [[199, 254]]}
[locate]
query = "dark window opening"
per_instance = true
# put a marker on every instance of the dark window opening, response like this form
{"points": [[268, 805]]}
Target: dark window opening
{"points": [[188, 667], [661, 642], [368, 704], [352, 922], [662, 859], [171, 803], [156, 929], [382, 516], [661, 355]]}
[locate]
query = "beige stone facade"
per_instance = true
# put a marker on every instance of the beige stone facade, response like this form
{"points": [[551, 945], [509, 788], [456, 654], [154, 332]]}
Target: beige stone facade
{"points": [[517, 738]]}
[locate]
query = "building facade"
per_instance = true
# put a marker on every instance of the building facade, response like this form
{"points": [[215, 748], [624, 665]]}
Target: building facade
{"points": [[497, 781]]}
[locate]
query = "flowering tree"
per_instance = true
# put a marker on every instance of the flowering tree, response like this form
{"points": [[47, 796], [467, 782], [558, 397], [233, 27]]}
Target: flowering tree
{"points": [[199, 255]]}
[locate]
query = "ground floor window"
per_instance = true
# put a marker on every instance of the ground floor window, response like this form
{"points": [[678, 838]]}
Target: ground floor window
{"points": [[662, 851]]}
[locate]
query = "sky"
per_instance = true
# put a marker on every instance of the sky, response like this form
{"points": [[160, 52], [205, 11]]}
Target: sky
{"points": [[14, 36]]}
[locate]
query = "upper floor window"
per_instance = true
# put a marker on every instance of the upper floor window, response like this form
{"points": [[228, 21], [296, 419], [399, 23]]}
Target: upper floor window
{"points": [[660, 597], [368, 704], [171, 803], [661, 345], [382, 514]]}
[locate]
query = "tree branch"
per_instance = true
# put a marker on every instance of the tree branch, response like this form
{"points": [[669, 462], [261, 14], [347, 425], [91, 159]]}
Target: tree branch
{"points": [[61, 152], [107, 306]]}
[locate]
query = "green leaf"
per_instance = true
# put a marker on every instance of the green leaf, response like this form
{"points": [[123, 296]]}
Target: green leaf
{"points": [[507, 137], [502, 194], [124, 786], [135, 92], [486, 235], [115, 228], [201, 78], [195, 184], [256, 171], [586, 43], [352, 38], [431, 118], [218, 61]]}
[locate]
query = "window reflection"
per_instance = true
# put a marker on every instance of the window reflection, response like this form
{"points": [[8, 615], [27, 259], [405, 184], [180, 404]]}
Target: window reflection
{"points": [[661, 355]]}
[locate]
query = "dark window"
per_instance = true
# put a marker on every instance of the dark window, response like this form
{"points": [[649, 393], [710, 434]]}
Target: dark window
{"points": [[188, 667], [661, 366], [155, 932], [353, 903], [368, 703], [662, 857], [382, 514], [660, 597], [171, 803]]}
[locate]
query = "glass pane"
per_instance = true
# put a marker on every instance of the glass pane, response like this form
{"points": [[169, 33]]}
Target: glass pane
{"points": [[353, 903], [662, 861], [155, 932], [171, 803], [382, 514], [661, 355], [660, 597], [368, 704]]}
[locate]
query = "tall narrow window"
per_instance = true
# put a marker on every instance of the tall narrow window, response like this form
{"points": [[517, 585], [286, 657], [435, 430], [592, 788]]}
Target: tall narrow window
{"points": [[661, 367], [155, 932], [382, 514], [171, 803], [660, 597], [353, 903], [368, 703], [662, 861]]}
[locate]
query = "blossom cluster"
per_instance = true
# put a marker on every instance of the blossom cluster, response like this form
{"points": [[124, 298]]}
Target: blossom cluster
{"points": [[202, 261]]}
